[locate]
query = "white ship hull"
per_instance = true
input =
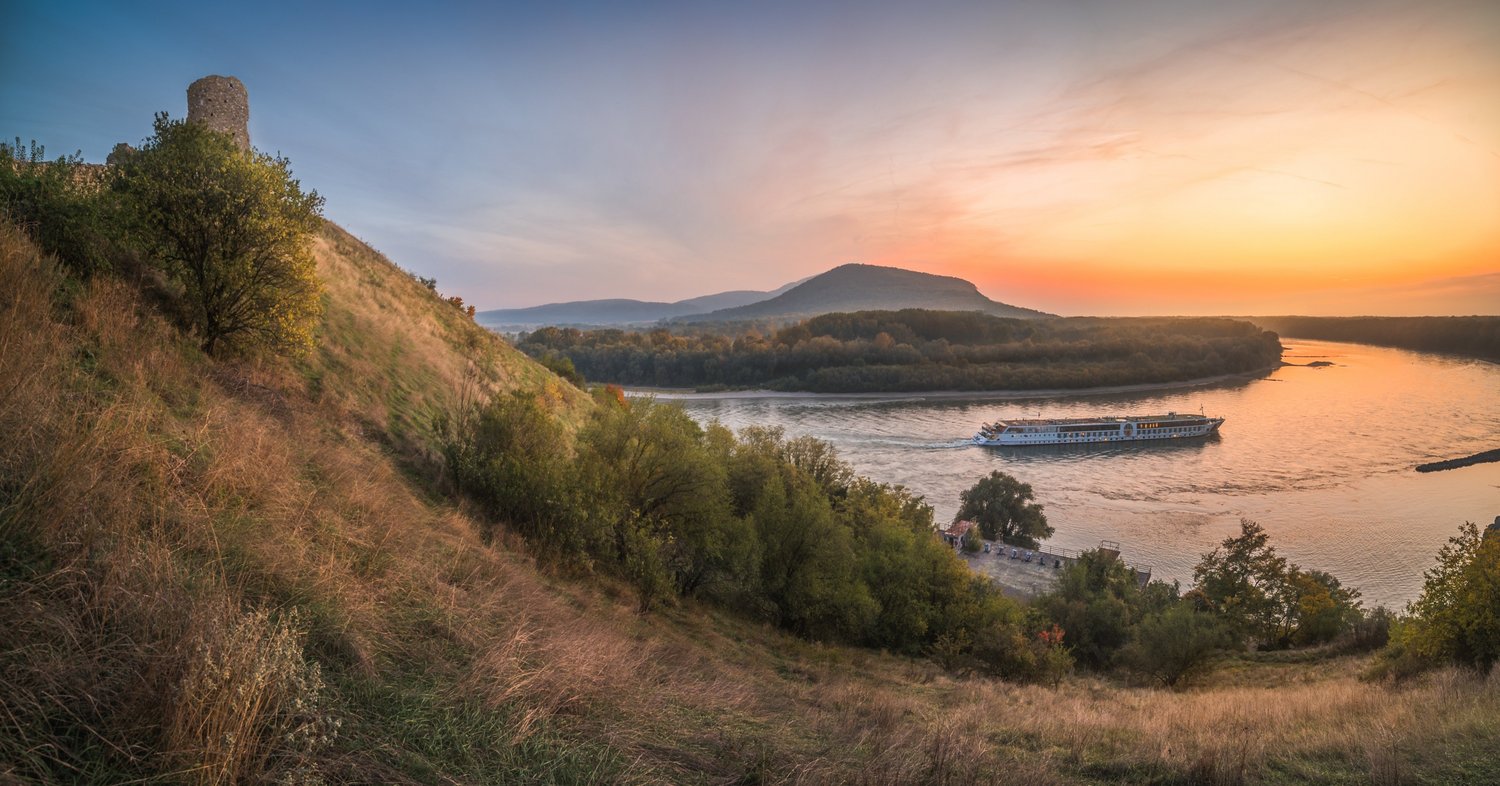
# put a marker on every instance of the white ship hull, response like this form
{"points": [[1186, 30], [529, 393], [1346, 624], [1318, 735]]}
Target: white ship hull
{"points": [[1075, 431]]}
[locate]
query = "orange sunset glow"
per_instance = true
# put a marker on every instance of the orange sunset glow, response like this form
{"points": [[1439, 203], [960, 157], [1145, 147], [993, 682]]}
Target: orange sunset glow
{"points": [[1247, 182]]}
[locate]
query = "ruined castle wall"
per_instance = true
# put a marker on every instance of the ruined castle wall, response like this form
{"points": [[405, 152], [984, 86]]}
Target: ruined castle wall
{"points": [[221, 103]]}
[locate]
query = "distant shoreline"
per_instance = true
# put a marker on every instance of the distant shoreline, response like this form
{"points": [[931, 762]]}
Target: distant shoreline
{"points": [[687, 394]]}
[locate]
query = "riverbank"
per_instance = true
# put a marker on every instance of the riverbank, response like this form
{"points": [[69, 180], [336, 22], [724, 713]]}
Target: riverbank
{"points": [[944, 395]]}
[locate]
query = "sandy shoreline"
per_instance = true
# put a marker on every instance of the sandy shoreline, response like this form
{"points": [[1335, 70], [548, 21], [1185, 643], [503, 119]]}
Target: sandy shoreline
{"points": [[673, 394]]}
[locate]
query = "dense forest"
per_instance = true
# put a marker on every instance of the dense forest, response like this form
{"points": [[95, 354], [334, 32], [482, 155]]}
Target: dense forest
{"points": [[1476, 337], [913, 349]]}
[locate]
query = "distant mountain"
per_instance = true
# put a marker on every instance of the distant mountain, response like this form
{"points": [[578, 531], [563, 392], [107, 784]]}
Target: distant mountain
{"points": [[852, 287], [619, 311], [857, 287]]}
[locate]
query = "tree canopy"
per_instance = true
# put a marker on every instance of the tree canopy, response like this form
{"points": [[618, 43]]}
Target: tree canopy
{"points": [[915, 349], [1004, 509], [232, 228], [1268, 601]]}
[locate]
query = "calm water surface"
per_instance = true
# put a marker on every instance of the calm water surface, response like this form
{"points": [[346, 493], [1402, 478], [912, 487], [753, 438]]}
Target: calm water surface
{"points": [[1322, 457]]}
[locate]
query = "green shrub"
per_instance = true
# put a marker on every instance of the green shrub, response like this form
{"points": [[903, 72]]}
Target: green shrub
{"points": [[1457, 617], [1096, 601], [1175, 644], [510, 457], [64, 205]]}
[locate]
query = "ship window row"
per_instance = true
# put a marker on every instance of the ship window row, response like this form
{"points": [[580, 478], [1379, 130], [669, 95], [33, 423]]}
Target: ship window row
{"points": [[1179, 424]]}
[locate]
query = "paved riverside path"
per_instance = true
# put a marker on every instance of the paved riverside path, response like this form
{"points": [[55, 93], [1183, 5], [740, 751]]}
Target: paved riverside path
{"points": [[1026, 580]]}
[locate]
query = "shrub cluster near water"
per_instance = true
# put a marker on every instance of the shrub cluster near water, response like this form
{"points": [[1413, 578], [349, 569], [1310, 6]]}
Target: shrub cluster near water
{"points": [[778, 529], [884, 351]]}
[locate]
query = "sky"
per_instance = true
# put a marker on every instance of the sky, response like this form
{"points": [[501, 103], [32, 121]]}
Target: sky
{"points": [[1076, 156]]}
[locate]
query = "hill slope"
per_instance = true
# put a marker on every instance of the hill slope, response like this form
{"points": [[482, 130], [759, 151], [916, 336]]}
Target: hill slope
{"points": [[217, 571], [618, 311], [399, 355], [857, 287]]}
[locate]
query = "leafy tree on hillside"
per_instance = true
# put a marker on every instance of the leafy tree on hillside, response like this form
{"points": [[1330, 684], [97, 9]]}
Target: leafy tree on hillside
{"points": [[1325, 608], [509, 456], [1246, 584], [1457, 617], [808, 565], [1269, 602], [232, 228], [654, 477], [914, 578], [1003, 508]]}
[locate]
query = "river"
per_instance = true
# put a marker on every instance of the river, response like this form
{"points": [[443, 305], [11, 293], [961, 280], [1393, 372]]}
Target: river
{"points": [[1322, 457]]}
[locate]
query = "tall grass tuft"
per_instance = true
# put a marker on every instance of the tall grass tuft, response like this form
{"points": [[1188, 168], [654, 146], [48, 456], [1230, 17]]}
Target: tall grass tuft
{"points": [[247, 696]]}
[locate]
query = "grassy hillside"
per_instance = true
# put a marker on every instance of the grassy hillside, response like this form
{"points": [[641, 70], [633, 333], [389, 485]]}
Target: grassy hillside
{"points": [[237, 571], [393, 355]]}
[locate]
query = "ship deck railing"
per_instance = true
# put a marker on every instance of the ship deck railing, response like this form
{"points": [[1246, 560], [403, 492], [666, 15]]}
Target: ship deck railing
{"points": [[1171, 416]]}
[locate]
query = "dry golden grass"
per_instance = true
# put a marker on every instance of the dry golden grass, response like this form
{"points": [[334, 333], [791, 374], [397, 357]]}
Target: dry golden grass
{"points": [[395, 355], [246, 695], [188, 540]]}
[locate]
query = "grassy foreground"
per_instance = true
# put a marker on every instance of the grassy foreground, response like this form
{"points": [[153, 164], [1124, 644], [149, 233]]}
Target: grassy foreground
{"points": [[218, 572]]}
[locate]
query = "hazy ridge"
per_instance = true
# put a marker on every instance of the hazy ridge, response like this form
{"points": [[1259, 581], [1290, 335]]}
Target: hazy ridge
{"points": [[859, 287], [851, 287]]}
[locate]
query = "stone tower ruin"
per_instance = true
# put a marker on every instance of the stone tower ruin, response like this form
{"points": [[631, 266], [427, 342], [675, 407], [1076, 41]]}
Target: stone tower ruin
{"points": [[221, 103]]}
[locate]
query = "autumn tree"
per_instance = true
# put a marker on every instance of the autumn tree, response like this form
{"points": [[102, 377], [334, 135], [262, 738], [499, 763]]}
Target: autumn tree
{"points": [[1004, 509], [1054, 660], [1326, 608], [233, 229]]}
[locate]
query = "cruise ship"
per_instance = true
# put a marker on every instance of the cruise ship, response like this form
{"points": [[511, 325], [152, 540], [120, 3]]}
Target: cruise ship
{"points": [[1068, 431]]}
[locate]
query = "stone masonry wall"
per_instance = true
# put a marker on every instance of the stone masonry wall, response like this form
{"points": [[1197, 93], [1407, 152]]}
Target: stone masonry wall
{"points": [[221, 103]]}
